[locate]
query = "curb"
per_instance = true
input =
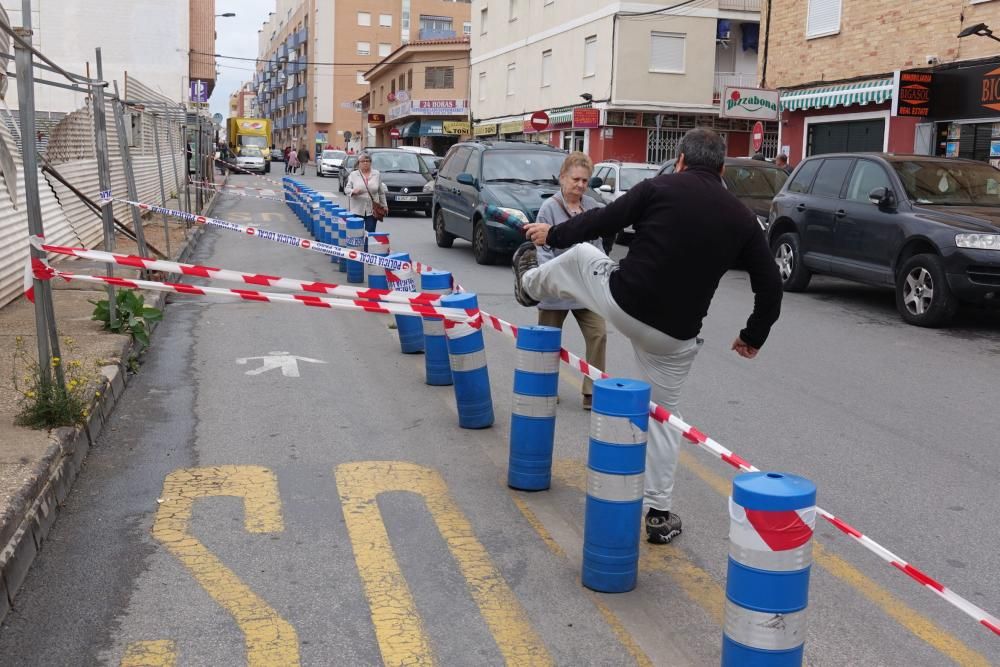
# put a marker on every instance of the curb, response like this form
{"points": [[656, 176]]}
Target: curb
{"points": [[32, 513]]}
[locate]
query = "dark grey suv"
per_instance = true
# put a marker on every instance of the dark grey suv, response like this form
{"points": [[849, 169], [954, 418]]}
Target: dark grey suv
{"points": [[514, 177], [927, 226]]}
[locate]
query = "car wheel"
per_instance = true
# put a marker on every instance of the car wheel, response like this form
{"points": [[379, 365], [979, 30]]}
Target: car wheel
{"points": [[794, 275], [481, 244], [443, 238], [319, 173], [923, 296]]}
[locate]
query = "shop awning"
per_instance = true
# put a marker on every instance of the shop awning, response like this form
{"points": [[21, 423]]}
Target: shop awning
{"points": [[874, 91], [411, 129]]}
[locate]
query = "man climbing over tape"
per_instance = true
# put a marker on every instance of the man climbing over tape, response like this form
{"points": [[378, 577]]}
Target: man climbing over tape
{"points": [[689, 230]]}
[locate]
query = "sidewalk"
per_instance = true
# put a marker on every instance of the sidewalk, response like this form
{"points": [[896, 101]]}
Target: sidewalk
{"points": [[37, 468]]}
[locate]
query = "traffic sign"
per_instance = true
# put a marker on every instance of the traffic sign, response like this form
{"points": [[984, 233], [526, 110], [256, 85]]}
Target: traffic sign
{"points": [[394, 133], [758, 136], [539, 121]]}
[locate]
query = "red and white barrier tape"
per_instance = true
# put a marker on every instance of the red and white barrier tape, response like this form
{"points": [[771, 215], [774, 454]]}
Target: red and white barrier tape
{"points": [[228, 275], [693, 435], [43, 271]]}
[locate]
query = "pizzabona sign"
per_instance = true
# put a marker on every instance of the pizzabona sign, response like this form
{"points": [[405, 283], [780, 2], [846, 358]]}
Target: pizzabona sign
{"points": [[752, 104]]}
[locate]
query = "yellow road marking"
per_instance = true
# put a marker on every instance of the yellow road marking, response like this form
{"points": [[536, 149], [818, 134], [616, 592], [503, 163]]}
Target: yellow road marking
{"points": [[616, 625], [270, 640], [158, 653], [398, 628]]}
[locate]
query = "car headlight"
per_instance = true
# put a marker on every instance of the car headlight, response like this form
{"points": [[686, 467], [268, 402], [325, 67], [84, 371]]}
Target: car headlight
{"points": [[429, 186], [978, 241], [762, 221]]}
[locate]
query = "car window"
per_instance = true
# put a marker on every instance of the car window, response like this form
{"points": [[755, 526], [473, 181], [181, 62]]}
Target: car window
{"points": [[867, 176], [454, 163], [949, 183], [351, 161], [611, 178], [522, 166], [251, 151], [804, 176], [387, 162], [755, 182], [633, 175], [830, 179], [601, 173], [473, 165], [334, 155]]}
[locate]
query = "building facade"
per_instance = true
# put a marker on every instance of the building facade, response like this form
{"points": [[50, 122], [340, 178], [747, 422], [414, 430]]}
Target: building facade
{"points": [[150, 39], [616, 80], [419, 95], [842, 89], [314, 54]]}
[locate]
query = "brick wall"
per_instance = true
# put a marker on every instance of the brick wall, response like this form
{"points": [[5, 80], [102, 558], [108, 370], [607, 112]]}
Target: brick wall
{"points": [[874, 38], [203, 40]]}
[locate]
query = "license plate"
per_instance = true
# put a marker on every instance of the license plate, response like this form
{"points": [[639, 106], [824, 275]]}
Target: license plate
{"points": [[406, 198]]}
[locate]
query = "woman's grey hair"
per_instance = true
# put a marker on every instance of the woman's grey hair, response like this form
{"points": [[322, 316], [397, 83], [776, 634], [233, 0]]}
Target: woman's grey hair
{"points": [[703, 147], [365, 156]]}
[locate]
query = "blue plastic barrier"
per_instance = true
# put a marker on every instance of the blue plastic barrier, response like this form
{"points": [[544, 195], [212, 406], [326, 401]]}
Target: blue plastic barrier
{"points": [[355, 242], [409, 327], [467, 353], [437, 366], [772, 518], [533, 414], [378, 244], [615, 466]]}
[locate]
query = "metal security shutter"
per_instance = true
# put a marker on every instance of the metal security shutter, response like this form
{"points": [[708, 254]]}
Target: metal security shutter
{"points": [[823, 17], [846, 137], [666, 52]]}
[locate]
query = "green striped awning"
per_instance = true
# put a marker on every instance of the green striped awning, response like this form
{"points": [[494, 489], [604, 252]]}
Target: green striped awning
{"points": [[846, 94]]}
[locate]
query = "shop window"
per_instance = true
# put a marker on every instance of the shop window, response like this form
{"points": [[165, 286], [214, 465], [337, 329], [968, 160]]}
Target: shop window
{"points": [[574, 140]]}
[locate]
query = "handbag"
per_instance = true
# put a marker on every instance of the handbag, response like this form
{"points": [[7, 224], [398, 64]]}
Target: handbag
{"points": [[378, 210]]}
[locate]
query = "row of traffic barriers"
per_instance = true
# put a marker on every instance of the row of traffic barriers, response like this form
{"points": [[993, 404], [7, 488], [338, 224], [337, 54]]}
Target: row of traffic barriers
{"points": [[772, 515]]}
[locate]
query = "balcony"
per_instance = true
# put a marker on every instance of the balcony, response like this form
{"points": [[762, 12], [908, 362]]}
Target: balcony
{"points": [[740, 5], [427, 33], [301, 36], [723, 79], [293, 67], [300, 118], [283, 52], [300, 91]]}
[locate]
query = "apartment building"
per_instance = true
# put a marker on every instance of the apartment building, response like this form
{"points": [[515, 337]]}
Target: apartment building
{"points": [[242, 102], [419, 95], [616, 80], [859, 76], [314, 54], [150, 39]]}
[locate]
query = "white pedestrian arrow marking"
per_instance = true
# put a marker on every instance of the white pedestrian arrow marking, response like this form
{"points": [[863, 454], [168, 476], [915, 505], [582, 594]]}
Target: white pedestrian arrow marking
{"points": [[288, 363]]}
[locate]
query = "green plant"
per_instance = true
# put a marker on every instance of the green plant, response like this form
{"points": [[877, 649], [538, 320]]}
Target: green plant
{"points": [[50, 404], [132, 315]]}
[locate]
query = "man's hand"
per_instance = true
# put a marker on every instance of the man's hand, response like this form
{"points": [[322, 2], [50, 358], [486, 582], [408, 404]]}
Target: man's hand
{"points": [[537, 232], [744, 349]]}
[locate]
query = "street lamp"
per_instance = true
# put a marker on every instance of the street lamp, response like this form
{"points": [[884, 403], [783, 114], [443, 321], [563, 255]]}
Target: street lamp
{"points": [[227, 15], [980, 30]]}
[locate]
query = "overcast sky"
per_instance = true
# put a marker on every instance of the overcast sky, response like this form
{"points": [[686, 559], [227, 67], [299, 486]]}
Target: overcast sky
{"points": [[236, 36]]}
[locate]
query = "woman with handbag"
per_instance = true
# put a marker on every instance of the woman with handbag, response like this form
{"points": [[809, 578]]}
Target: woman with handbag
{"points": [[367, 192], [560, 207]]}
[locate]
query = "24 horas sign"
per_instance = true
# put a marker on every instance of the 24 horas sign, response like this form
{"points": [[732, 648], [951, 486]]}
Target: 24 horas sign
{"points": [[749, 103]]}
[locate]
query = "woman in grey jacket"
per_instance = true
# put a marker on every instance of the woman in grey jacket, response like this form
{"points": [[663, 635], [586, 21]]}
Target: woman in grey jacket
{"points": [[569, 201], [364, 187]]}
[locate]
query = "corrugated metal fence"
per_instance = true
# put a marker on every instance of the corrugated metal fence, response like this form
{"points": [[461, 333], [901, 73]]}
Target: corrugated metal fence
{"points": [[70, 149]]}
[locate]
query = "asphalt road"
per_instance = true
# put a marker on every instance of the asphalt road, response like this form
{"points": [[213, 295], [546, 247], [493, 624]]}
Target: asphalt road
{"points": [[337, 515]]}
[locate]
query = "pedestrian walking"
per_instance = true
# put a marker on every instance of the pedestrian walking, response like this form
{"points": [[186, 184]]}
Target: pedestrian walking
{"points": [[367, 193], [689, 230], [303, 158], [293, 162], [782, 161], [557, 209], [286, 152]]}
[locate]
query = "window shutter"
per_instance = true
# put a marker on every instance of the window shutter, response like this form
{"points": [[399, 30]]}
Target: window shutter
{"points": [[823, 17], [666, 52]]}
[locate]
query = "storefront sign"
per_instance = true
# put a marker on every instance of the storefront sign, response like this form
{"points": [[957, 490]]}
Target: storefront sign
{"points": [[512, 127], [440, 107], [750, 103], [400, 110], [966, 92], [586, 117], [376, 118], [487, 130], [455, 127], [912, 94]]}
